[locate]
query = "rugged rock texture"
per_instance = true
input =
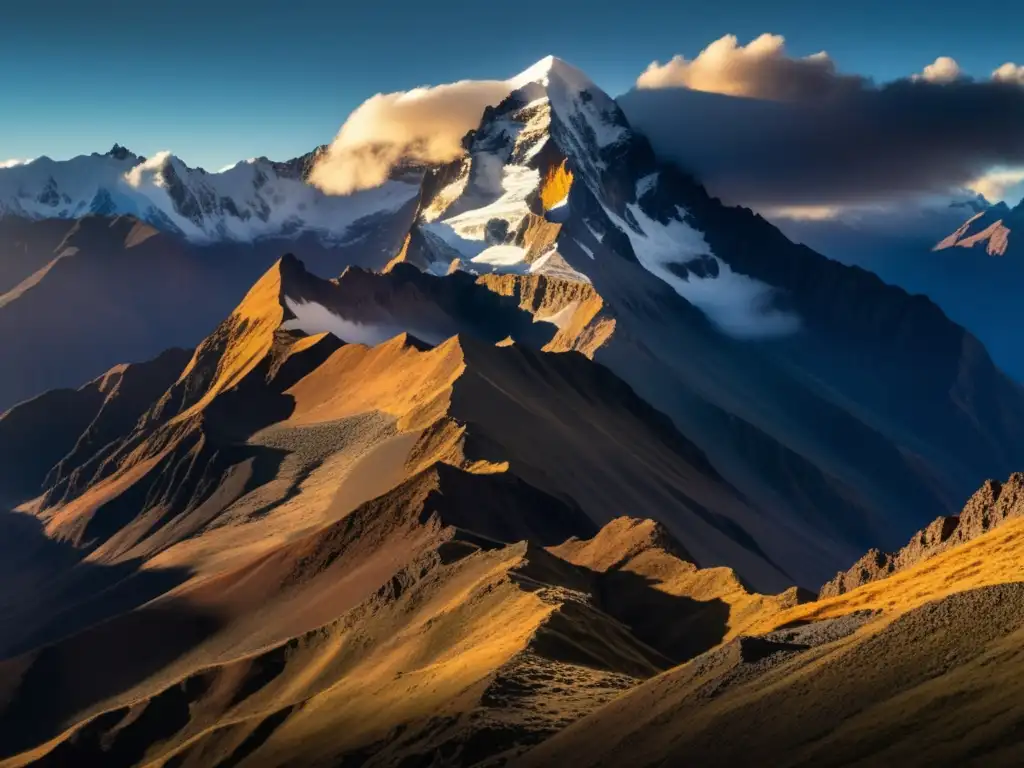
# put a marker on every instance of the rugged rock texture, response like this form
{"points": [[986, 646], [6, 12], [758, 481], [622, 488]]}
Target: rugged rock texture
{"points": [[927, 688], [989, 230], [539, 491], [575, 308], [993, 504], [372, 554]]}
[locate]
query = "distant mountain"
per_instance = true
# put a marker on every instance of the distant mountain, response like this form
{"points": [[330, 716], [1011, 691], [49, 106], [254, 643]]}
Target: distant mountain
{"points": [[253, 199], [82, 295], [873, 236], [990, 230], [966, 261]]}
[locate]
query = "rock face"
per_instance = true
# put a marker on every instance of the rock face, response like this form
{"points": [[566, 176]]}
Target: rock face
{"points": [[993, 504], [990, 230]]}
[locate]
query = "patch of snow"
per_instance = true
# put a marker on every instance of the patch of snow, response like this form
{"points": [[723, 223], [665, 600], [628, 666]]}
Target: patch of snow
{"points": [[739, 305], [438, 268], [448, 194], [561, 318], [467, 231], [553, 265], [502, 258], [585, 249], [646, 184]]}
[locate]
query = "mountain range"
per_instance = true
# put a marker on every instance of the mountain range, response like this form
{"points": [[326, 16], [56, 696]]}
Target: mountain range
{"points": [[250, 200], [541, 454]]}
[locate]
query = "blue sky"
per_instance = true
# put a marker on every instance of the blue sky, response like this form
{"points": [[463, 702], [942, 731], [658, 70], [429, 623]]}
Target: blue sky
{"points": [[216, 84]]}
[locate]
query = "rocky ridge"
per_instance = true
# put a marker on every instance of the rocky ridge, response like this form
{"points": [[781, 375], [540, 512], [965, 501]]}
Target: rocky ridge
{"points": [[991, 506]]}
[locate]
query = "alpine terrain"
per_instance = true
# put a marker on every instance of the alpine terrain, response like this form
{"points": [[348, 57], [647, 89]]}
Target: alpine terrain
{"points": [[541, 455]]}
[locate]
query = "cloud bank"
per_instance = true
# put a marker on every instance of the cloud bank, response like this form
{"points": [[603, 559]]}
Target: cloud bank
{"points": [[804, 134], [424, 124]]}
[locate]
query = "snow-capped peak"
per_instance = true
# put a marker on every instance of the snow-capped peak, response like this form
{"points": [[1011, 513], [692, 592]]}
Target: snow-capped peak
{"points": [[552, 69], [591, 115], [555, 182]]}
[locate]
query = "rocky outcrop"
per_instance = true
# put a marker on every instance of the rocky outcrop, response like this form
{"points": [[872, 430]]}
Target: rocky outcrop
{"points": [[989, 507], [989, 229], [584, 323]]}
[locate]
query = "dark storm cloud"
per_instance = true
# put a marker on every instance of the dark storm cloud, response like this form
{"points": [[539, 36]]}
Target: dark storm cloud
{"points": [[837, 140]]}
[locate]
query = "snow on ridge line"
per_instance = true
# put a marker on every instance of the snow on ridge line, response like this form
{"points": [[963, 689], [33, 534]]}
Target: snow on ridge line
{"points": [[243, 202]]}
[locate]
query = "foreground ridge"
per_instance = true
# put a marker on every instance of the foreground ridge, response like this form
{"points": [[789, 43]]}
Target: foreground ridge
{"points": [[992, 505]]}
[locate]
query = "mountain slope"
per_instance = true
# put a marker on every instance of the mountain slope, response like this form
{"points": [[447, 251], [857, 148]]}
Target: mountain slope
{"points": [[893, 426], [969, 266], [328, 518], [543, 483], [920, 668], [116, 289], [475, 402]]}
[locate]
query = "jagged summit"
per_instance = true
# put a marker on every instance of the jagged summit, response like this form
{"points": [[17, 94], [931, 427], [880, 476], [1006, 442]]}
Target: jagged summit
{"points": [[122, 153], [552, 69], [989, 229]]}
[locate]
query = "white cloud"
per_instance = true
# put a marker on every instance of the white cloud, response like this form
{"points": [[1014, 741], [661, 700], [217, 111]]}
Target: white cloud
{"points": [[13, 163], [149, 172], [425, 124], [1009, 73], [761, 69], [943, 70]]}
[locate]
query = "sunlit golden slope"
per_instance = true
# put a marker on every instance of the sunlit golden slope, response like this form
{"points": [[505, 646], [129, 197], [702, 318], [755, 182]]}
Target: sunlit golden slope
{"points": [[306, 550], [922, 668], [995, 558]]}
